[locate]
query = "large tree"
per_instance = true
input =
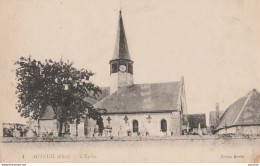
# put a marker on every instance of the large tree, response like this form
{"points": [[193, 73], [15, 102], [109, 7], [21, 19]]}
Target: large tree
{"points": [[56, 84]]}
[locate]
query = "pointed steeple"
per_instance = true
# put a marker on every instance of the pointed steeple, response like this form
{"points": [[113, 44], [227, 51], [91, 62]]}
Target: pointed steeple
{"points": [[121, 65], [121, 47]]}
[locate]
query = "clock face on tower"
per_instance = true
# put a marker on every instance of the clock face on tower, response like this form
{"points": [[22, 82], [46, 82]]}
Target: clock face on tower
{"points": [[122, 68]]}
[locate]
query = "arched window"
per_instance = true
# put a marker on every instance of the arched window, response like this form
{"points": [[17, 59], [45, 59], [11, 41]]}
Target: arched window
{"points": [[114, 68], [163, 125], [135, 126], [130, 68]]}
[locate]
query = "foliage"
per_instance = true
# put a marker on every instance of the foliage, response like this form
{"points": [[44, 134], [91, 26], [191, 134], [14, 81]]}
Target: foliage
{"points": [[196, 119], [56, 84]]}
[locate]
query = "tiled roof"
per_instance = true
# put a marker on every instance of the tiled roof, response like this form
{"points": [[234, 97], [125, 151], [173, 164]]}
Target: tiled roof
{"points": [[48, 113], [105, 93], [143, 98], [245, 111]]}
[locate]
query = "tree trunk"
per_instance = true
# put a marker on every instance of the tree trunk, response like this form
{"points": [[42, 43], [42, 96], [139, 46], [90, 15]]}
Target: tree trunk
{"points": [[60, 129], [76, 129]]}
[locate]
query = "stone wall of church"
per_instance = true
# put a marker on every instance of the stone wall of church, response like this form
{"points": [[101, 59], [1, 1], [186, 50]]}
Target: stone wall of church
{"points": [[147, 124], [120, 79], [113, 82]]}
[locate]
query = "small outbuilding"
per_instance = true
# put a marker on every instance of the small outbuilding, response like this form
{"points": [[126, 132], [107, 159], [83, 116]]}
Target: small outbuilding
{"points": [[242, 117]]}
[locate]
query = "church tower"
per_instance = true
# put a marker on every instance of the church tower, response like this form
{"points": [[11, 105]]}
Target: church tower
{"points": [[121, 65]]}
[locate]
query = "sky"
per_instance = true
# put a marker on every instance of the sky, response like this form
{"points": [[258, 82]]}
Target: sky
{"points": [[213, 44]]}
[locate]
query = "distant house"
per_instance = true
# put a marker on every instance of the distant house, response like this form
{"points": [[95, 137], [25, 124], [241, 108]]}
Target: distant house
{"points": [[195, 121], [242, 117]]}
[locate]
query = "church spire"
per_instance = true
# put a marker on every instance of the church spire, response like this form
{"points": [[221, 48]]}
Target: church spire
{"points": [[121, 65], [121, 47]]}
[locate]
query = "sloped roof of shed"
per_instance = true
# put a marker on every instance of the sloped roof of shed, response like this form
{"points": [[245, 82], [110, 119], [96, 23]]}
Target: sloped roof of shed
{"points": [[245, 111]]}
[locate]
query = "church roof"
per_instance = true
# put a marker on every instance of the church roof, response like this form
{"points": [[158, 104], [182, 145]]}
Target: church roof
{"points": [[105, 93], [138, 98], [48, 113], [245, 111], [121, 47]]}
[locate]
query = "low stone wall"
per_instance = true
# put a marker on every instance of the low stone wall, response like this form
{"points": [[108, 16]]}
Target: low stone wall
{"points": [[133, 138]]}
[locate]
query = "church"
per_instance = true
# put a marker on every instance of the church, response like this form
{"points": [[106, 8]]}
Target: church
{"points": [[154, 109]]}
